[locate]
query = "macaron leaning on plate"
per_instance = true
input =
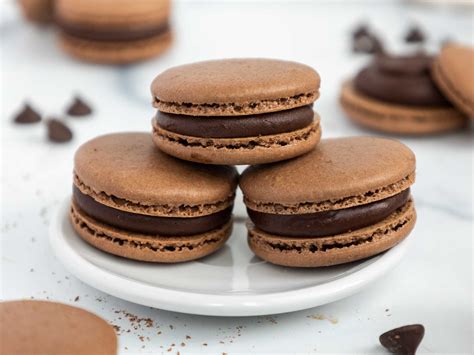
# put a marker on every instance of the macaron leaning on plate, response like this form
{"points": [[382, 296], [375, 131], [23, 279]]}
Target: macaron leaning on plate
{"points": [[346, 200], [113, 31], [453, 72], [396, 94], [132, 200], [236, 111]]}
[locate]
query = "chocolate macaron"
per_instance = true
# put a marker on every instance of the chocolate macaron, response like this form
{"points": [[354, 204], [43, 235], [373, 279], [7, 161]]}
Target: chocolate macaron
{"points": [[236, 111], [396, 94], [132, 200], [113, 31], [453, 72], [346, 200]]}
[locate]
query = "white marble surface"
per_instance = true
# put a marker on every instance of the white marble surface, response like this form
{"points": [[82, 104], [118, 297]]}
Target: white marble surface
{"points": [[433, 284]]}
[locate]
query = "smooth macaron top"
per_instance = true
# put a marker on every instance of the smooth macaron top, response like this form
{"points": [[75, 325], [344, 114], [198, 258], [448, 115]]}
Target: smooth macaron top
{"points": [[454, 73], [113, 13], [235, 87], [338, 173], [126, 171]]}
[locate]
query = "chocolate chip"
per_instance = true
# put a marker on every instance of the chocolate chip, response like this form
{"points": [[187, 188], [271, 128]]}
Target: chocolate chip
{"points": [[27, 115], [403, 340], [367, 44], [414, 35], [79, 108], [361, 31], [58, 132]]}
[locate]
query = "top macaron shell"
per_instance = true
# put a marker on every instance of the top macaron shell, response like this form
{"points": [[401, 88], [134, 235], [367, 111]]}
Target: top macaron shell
{"points": [[113, 13], [126, 171], [339, 173], [453, 71], [235, 87]]}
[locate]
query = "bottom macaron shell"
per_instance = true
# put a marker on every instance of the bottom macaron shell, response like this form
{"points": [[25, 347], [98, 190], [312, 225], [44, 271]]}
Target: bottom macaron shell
{"points": [[146, 247], [334, 250], [391, 118], [235, 151], [115, 52]]}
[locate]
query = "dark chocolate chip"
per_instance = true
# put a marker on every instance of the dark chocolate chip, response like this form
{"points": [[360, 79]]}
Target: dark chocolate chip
{"points": [[361, 31], [79, 108], [367, 44], [414, 35], [58, 132], [27, 115], [403, 340]]}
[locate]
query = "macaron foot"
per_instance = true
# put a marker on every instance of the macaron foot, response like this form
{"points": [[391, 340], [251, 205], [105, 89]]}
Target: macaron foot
{"points": [[250, 150], [336, 249], [151, 248]]}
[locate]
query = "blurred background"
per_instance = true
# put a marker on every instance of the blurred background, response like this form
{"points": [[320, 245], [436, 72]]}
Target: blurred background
{"points": [[36, 174]]}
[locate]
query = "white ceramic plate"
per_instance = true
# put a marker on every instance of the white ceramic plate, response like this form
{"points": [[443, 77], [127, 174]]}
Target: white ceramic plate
{"points": [[231, 282]]}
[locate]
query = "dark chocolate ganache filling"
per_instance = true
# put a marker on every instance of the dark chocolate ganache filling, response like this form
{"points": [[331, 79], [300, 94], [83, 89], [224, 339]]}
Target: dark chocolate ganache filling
{"points": [[112, 34], [400, 80], [237, 126], [149, 224], [326, 223]]}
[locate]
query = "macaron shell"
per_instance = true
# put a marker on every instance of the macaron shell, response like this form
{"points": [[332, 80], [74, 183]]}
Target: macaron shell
{"points": [[398, 119], [453, 72], [117, 52], [43, 327], [37, 11], [134, 14], [126, 171], [235, 87], [235, 151], [147, 247], [333, 250], [339, 173]]}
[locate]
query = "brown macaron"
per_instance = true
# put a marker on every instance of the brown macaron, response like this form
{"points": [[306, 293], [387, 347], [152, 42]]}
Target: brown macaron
{"points": [[43, 327], [113, 31], [346, 200], [236, 111], [453, 72], [37, 11], [132, 200], [396, 94]]}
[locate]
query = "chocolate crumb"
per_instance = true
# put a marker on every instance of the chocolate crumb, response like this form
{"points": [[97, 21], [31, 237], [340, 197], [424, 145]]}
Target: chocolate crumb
{"points": [[79, 108], [27, 115], [76, 299], [58, 132], [188, 337], [403, 340], [414, 35], [204, 344], [369, 44]]}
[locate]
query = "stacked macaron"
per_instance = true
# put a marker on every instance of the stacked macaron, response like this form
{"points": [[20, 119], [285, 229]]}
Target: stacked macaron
{"points": [[113, 31], [416, 94], [236, 111], [168, 197]]}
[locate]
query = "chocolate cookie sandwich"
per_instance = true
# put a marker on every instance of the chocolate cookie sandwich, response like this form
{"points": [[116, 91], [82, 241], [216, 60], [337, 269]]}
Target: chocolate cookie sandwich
{"points": [[236, 111], [346, 200], [397, 95], [131, 200], [113, 31]]}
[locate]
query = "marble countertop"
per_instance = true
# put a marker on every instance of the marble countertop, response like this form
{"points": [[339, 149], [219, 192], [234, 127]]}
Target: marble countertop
{"points": [[432, 285]]}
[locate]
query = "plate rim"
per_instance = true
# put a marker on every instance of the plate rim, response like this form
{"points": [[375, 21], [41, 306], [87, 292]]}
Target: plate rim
{"points": [[214, 304]]}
